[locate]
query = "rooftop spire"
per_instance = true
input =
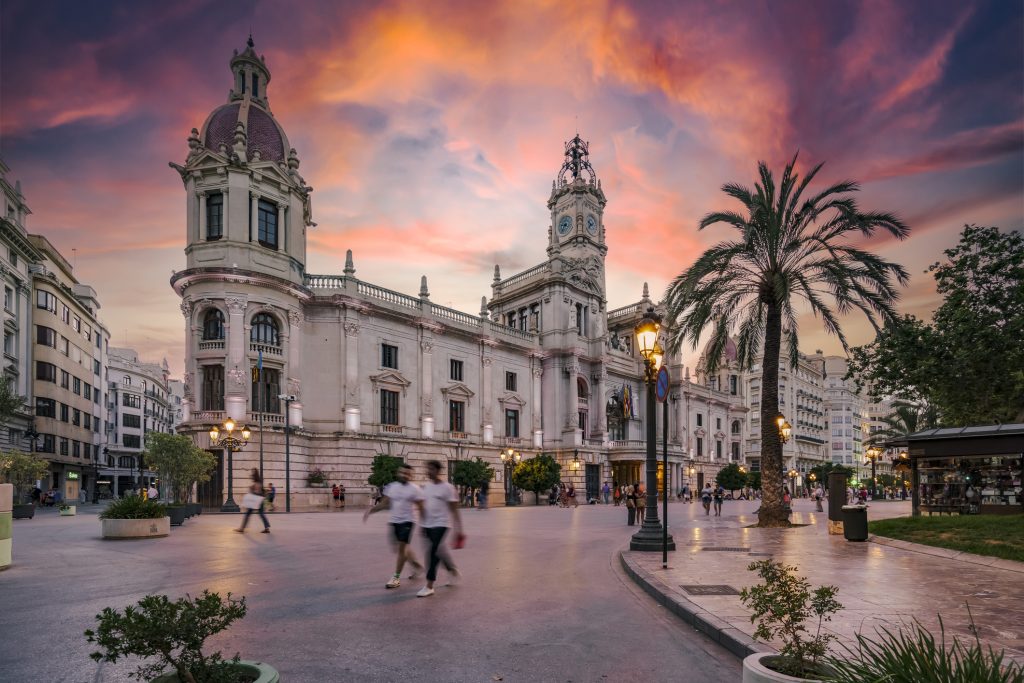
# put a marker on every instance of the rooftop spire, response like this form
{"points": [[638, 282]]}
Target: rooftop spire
{"points": [[577, 162]]}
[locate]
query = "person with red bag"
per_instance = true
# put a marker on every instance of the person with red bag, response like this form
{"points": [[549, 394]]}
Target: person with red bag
{"points": [[438, 507]]}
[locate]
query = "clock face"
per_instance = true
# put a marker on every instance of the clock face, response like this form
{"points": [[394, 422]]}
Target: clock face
{"points": [[592, 225], [564, 225]]}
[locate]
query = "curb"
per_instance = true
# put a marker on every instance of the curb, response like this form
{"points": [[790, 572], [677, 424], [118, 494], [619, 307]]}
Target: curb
{"points": [[948, 554], [732, 639]]}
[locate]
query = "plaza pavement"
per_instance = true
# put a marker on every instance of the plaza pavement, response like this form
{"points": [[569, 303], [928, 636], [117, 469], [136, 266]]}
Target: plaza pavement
{"points": [[879, 585], [544, 598]]}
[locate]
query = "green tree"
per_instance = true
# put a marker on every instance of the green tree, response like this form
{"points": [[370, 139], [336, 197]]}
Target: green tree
{"points": [[11, 403], [731, 478], [179, 461], [471, 474], [384, 470], [790, 250], [906, 418], [822, 471], [754, 480], [22, 470], [537, 474], [948, 365]]}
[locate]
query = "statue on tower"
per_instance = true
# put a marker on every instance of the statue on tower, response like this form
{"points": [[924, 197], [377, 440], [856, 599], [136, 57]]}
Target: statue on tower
{"points": [[577, 161]]}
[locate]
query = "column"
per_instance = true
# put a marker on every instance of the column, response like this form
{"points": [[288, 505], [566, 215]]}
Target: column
{"points": [[426, 385], [254, 213], [294, 367], [352, 417], [572, 420], [237, 373], [486, 400], [538, 409], [202, 217], [282, 242], [597, 403], [186, 401]]}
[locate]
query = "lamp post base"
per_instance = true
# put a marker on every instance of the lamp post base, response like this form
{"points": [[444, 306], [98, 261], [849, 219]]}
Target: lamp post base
{"points": [[230, 506], [649, 538]]}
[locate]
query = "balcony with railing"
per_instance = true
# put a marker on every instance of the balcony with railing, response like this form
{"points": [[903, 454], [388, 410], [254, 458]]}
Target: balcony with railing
{"points": [[269, 419], [217, 416], [211, 345], [267, 349], [390, 429], [512, 441], [458, 436]]}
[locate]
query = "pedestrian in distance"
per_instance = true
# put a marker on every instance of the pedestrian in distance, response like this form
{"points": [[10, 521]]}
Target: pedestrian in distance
{"points": [[152, 493], [606, 492], [253, 501], [485, 489], [400, 496], [617, 496], [341, 496], [570, 496], [271, 494], [705, 499], [439, 507], [819, 493], [641, 504], [719, 496], [335, 493]]}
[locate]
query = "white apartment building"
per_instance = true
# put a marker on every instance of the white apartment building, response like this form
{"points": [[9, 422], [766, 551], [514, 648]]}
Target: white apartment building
{"points": [[138, 402]]}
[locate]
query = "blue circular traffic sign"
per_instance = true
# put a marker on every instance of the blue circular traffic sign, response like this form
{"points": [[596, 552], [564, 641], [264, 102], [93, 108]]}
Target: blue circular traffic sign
{"points": [[662, 385]]}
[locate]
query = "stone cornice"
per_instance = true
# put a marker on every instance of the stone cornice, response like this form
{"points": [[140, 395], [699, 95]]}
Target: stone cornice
{"points": [[181, 281]]}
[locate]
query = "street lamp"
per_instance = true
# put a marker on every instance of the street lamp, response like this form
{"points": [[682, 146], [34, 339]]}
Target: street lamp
{"points": [[232, 443], [510, 457], [575, 464], [872, 454], [32, 435], [651, 536], [785, 429]]}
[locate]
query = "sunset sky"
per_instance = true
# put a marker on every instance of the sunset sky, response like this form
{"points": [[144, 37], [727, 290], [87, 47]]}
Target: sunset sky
{"points": [[431, 131]]}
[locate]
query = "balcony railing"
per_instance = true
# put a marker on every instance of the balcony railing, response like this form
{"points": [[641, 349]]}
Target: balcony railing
{"points": [[458, 436], [390, 429], [512, 441], [272, 419], [209, 416], [267, 349], [212, 345]]}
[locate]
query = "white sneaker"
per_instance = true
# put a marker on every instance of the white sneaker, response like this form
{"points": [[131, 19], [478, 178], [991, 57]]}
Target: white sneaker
{"points": [[425, 592], [393, 583], [453, 578]]}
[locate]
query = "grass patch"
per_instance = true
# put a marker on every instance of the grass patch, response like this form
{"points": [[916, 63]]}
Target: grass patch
{"points": [[992, 535]]}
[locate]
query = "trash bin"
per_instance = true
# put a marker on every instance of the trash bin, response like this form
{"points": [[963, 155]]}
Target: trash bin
{"points": [[855, 522]]}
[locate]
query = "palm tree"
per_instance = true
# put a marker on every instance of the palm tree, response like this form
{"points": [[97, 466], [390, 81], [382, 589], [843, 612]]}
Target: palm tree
{"points": [[905, 418], [790, 249]]}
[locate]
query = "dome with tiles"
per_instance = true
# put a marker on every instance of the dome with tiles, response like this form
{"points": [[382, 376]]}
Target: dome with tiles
{"points": [[248, 105]]}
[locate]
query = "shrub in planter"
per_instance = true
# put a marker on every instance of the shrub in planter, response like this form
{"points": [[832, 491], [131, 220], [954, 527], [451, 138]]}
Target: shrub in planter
{"points": [[22, 470], [180, 462], [170, 635], [782, 604], [177, 513], [316, 477], [134, 507], [914, 655]]}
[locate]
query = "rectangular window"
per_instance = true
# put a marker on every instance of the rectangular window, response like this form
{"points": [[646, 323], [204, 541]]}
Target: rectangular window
{"points": [[213, 387], [735, 451], [718, 449], [99, 345], [733, 385], [46, 372], [133, 421], [46, 407], [46, 301], [76, 449], [718, 423], [215, 216], [46, 337], [65, 314], [63, 446], [582, 417], [255, 85], [64, 412], [96, 396], [389, 356], [87, 421], [9, 299], [86, 330], [131, 441], [388, 407], [76, 324], [266, 391], [456, 371], [87, 391], [76, 386], [456, 416], [65, 379], [267, 226], [96, 368], [64, 347], [76, 417], [9, 346], [510, 381], [700, 420], [700, 447], [47, 444], [512, 423]]}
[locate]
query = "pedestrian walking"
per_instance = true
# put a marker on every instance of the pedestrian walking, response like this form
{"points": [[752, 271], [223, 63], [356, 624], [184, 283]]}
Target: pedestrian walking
{"points": [[719, 496], [705, 499], [271, 494], [152, 493], [819, 493], [606, 492], [630, 497], [570, 496], [253, 500], [641, 504], [485, 489], [336, 494], [687, 498], [341, 496], [439, 507], [617, 496], [400, 496]]}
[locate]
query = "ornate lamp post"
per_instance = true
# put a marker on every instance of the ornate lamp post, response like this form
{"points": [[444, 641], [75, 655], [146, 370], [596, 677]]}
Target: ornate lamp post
{"points": [[651, 535], [873, 454], [785, 429], [32, 435], [232, 443], [510, 457], [792, 474]]}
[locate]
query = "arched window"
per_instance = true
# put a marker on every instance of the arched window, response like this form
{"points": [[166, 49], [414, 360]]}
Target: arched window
{"points": [[735, 427], [582, 391], [213, 324], [264, 330]]}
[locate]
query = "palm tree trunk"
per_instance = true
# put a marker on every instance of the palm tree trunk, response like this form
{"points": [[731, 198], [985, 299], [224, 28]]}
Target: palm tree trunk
{"points": [[773, 511]]}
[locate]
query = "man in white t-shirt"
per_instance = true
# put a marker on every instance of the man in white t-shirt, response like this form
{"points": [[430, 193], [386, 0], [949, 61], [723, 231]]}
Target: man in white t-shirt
{"points": [[439, 506], [152, 493], [400, 496]]}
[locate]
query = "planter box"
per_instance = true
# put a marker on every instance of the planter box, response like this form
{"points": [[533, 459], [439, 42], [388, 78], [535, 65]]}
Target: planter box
{"points": [[70, 512], [262, 673], [755, 671], [177, 514], [26, 511], [136, 528]]}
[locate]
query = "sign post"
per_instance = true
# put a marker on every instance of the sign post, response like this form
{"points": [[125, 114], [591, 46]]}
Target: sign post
{"points": [[661, 389]]}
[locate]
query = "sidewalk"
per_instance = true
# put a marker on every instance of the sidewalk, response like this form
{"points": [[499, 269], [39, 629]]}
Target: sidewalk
{"points": [[879, 585]]}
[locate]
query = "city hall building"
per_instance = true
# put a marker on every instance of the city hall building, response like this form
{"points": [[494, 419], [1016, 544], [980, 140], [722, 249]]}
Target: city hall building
{"points": [[357, 370]]}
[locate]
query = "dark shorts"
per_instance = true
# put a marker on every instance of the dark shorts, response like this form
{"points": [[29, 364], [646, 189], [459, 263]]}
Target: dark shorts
{"points": [[402, 531]]}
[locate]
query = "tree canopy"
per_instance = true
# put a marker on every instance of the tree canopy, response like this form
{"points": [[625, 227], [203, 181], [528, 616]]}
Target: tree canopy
{"points": [[179, 461], [538, 474], [472, 474], [384, 470], [731, 478], [968, 364], [791, 249]]}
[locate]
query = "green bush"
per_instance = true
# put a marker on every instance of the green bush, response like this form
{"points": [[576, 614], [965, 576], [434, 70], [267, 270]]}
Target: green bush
{"points": [[134, 507], [537, 474], [173, 633], [914, 656], [22, 470], [384, 470]]}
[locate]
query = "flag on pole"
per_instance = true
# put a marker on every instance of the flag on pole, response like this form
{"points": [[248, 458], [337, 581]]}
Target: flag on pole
{"points": [[257, 372]]}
